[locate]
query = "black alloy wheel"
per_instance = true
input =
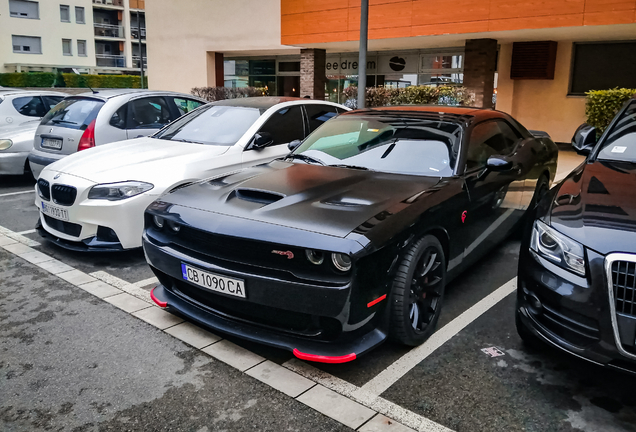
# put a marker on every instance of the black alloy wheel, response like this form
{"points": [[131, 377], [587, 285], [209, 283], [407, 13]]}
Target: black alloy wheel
{"points": [[418, 291]]}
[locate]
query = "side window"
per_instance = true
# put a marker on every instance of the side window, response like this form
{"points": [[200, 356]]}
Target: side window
{"points": [[118, 119], [340, 110], [318, 114], [510, 137], [486, 140], [51, 101], [184, 106], [149, 113], [285, 125], [31, 106]]}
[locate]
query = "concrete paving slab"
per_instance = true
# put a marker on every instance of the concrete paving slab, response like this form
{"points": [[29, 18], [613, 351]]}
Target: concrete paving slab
{"points": [[193, 335], [381, 423], [280, 378], [127, 303], [18, 248], [338, 407], [4, 240], [158, 318], [100, 289], [76, 277], [233, 355], [54, 266], [35, 257]]}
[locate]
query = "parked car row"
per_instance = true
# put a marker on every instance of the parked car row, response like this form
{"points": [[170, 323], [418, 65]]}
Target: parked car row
{"points": [[297, 224]]}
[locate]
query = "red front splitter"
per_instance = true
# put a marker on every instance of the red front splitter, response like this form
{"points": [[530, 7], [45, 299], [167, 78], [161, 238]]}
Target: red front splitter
{"points": [[156, 300], [324, 359]]}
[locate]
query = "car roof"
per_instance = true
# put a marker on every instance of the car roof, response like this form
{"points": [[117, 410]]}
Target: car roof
{"points": [[261, 102], [455, 114], [111, 93], [4, 91]]}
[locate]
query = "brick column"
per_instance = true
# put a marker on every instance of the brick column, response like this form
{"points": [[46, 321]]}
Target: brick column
{"points": [[214, 62], [312, 73], [479, 70]]}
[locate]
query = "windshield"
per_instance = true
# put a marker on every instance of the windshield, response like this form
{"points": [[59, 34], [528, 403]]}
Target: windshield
{"points": [[389, 144], [74, 113], [620, 141], [211, 124]]}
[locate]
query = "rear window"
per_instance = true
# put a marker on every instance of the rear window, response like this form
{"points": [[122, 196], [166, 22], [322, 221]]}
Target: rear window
{"points": [[73, 113], [30, 106]]}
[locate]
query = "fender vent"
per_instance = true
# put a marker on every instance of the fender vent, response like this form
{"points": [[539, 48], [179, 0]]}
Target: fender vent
{"points": [[258, 196]]}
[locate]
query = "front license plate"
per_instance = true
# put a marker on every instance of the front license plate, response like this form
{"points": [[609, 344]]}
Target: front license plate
{"points": [[214, 282], [55, 212], [50, 143]]}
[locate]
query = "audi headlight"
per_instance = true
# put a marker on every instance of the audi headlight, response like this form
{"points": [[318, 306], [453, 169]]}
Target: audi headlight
{"points": [[118, 191], [5, 144], [556, 247]]}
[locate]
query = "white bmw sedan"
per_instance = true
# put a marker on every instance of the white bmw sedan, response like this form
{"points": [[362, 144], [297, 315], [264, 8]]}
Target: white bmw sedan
{"points": [[95, 199]]}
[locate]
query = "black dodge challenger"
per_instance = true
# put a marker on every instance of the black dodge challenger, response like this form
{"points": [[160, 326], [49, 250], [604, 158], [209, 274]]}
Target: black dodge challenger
{"points": [[577, 266], [351, 238]]}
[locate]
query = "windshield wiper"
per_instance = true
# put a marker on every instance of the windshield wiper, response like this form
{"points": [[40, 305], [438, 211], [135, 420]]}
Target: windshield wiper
{"points": [[351, 167], [305, 158], [185, 141], [63, 121]]}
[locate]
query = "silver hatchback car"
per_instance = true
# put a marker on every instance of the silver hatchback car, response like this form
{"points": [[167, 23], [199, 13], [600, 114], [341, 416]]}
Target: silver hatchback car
{"points": [[90, 119], [20, 114]]}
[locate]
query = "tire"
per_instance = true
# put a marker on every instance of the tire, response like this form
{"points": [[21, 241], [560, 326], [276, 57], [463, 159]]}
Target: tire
{"points": [[417, 292], [528, 338]]}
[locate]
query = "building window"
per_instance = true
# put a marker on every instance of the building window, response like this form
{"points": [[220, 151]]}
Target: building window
{"points": [[65, 13], [603, 66], [24, 9], [26, 44], [66, 47], [81, 48], [79, 15]]}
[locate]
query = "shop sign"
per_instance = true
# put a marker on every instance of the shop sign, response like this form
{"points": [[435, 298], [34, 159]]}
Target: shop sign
{"points": [[403, 64], [348, 65]]}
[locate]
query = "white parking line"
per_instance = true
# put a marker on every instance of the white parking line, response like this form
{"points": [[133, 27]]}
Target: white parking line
{"points": [[31, 231], [146, 282], [127, 287], [17, 193], [408, 361], [18, 237]]}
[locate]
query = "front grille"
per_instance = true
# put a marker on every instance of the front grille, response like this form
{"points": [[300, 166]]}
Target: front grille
{"points": [[63, 227], [624, 284], [64, 195], [45, 191]]}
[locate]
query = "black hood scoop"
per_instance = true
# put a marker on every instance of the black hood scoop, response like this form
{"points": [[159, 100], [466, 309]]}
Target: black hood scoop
{"points": [[257, 196]]}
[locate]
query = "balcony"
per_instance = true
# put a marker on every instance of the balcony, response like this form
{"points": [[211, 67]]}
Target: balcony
{"points": [[135, 62], [119, 3], [134, 32], [108, 30], [109, 60]]}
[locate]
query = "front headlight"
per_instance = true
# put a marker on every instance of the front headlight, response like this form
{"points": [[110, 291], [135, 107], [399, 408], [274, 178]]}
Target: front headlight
{"points": [[118, 191], [556, 247], [5, 144]]}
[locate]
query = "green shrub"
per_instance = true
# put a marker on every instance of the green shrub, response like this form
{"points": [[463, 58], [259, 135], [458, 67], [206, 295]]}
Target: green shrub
{"points": [[47, 79], [220, 93], [413, 95], [602, 105]]}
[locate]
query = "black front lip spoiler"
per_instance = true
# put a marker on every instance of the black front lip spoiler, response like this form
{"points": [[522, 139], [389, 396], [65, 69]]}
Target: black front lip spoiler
{"points": [[87, 245], [325, 352]]}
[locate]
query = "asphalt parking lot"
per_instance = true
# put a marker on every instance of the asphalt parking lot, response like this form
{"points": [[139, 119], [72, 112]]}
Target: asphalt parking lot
{"points": [[474, 374]]}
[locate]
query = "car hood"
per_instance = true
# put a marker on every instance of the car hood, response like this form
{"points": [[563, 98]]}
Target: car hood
{"points": [[16, 129], [135, 159], [596, 206], [327, 200]]}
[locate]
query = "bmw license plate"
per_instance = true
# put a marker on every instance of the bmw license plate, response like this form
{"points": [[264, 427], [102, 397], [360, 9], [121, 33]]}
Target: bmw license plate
{"points": [[55, 212], [214, 282], [51, 143]]}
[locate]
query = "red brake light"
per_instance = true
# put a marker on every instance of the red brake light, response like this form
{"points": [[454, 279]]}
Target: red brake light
{"points": [[88, 138]]}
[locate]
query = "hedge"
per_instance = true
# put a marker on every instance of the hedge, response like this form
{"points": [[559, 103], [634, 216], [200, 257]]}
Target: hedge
{"points": [[47, 79], [220, 93], [413, 95], [602, 105]]}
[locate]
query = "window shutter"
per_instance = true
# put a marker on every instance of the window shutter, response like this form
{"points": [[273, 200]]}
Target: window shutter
{"points": [[533, 60]]}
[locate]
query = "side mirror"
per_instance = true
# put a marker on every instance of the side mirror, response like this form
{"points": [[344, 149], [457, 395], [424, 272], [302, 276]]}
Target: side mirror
{"points": [[584, 139], [294, 144], [498, 163], [261, 139]]}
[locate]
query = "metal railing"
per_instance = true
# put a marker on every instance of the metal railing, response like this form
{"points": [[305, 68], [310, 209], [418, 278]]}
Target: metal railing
{"points": [[135, 62], [109, 60], [134, 33], [109, 30], [109, 2]]}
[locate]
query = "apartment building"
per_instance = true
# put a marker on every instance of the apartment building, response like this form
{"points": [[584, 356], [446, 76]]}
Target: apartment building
{"points": [[538, 56], [94, 36]]}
